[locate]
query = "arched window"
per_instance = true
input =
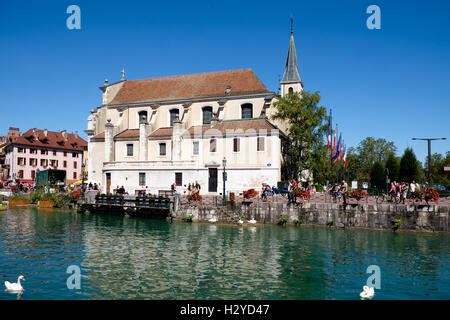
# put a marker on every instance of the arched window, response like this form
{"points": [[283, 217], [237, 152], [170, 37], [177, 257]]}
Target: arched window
{"points": [[173, 115], [207, 115], [291, 90], [142, 117], [247, 111]]}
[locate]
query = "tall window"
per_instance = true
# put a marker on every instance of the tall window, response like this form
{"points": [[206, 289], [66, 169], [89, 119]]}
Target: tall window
{"points": [[65, 154], [74, 175], [212, 145], [195, 146], [20, 174], [129, 150], [65, 164], [142, 178], [54, 153], [142, 117], [162, 149], [236, 145], [173, 115], [247, 111], [207, 115], [178, 178], [74, 164], [291, 90], [260, 144], [33, 174]]}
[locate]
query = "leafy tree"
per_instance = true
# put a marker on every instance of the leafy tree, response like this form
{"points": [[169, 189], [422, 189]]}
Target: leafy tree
{"points": [[377, 176], [320, 163], [306, 131], [393, 164], [438, 162], [371, 150], [409, 167]]}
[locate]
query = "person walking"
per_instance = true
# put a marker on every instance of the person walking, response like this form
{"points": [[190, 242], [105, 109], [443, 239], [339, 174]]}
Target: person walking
{"points": [[344, 190]]}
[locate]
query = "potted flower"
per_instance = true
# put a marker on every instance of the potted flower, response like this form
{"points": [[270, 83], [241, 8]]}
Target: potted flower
{"points": [[195, 196], [431, 195], [250, 193], [359, 194]]}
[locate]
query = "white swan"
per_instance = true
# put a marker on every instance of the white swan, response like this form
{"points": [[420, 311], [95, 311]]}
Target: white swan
{"points": [[253, 221], [14, 286], [367, 293], [240, 221], [212, 220]]}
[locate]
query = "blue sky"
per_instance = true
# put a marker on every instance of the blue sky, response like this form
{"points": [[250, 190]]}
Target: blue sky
{"points": [[391, 83]]}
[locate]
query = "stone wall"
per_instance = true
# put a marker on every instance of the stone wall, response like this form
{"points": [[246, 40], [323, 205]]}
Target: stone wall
{"points": [[415, 217]]}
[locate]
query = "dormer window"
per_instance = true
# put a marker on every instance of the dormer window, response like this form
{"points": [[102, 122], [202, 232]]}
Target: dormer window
{"points": [[247, 111], [173, 115], [142, 117], [207, 115]]}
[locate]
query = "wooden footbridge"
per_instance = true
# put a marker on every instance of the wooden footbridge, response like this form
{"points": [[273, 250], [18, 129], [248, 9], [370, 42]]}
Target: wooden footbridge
{"points": [[134, 206]]}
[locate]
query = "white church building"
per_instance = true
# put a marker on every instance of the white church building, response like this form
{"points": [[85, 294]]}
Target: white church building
{"points": [[182, 129]]}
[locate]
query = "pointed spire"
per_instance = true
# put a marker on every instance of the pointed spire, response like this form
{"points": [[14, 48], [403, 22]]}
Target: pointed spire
{"points": [[291, 71]]}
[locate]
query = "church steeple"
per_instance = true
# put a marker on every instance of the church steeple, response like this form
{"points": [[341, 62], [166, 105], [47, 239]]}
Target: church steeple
{"points": [[291, 81]]}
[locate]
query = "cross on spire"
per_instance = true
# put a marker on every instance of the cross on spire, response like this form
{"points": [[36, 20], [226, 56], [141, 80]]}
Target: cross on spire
{"points": [[123, 74], [292, 25]]}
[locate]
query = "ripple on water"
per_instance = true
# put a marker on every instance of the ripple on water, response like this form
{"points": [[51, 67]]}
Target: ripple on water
{"points": [[149, 259]]}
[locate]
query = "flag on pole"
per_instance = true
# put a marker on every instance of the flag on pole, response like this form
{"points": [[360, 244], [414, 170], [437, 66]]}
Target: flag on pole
{"points": [[329, 132], [334, 145], [345, 156], [341, 153], [338, 149]]}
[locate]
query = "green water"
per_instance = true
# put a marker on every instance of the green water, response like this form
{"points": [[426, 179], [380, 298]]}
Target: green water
{"points": [[131, 258]]}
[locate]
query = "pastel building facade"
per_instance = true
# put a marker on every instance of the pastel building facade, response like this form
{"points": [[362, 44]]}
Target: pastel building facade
{"points": [[180, 129], [42, 149]]}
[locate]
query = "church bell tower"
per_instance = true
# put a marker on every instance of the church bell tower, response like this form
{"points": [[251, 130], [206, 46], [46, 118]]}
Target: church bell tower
{"points": [[291, 81]]}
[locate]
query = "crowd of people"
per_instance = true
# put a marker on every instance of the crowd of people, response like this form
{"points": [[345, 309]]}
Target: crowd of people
{"points": [[402, 191]]}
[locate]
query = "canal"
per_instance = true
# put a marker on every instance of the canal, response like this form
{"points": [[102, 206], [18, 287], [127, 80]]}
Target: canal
{"points": [[132, 258]]}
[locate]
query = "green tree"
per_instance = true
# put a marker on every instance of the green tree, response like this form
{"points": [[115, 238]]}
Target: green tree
{"points": [[409, 167], [377, 176], [320, 163], [393, 165], [371, 150], [306, 130], [438, 162]]}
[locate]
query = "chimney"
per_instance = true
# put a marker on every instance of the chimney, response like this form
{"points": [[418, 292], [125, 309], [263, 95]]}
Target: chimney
{"points": [[63, 133], [45, 132]]}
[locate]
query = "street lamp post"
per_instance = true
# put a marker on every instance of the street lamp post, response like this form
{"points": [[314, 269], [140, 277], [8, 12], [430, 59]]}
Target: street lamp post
{"points": [[224, 176], [429, 153]]}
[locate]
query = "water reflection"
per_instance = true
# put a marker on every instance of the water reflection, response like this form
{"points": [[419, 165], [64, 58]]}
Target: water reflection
{"points": [[126, 258]]}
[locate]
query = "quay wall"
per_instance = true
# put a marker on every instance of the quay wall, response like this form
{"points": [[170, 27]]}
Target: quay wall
{"points": [[414, 217]]}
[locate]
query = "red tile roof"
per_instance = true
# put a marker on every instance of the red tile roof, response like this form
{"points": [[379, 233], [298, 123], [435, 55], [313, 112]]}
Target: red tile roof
{"points": [[53, 140], [129, 133], [210, 84]]}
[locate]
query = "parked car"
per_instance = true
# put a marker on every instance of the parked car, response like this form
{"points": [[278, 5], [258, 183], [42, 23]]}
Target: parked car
{"points": [[438, 186]]}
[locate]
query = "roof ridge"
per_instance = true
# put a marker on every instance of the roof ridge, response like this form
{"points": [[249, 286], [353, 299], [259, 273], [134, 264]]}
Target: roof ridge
{"points": [[190, 74]]}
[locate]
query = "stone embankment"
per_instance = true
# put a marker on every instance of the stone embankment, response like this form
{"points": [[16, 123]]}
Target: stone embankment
{"points": [[413, 217]]}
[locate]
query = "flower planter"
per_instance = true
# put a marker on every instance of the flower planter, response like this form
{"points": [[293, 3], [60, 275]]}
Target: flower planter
{"points": [[46, 204], [15, 203]]}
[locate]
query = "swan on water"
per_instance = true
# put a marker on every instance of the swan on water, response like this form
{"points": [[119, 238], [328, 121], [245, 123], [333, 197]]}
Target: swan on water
{"points": [[252, 221], [240, 221], [367, 293], [15, 286], [212, 220]]}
